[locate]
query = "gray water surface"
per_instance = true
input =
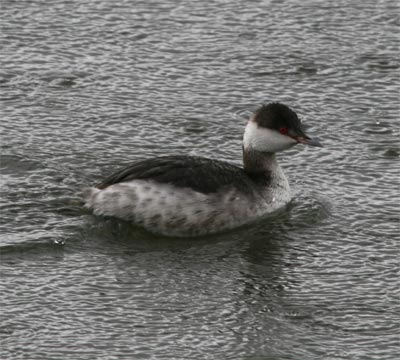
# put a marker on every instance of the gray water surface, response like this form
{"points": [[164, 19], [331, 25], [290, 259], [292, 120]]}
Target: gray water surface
{"points": [[90, 86]]}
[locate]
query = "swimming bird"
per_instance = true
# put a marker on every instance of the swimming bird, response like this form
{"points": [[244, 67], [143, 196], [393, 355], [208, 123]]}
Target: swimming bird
{"points": [[180, 195]]}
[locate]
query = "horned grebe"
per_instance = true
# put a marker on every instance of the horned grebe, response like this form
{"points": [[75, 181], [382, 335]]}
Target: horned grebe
{"points": [[183, 195]]}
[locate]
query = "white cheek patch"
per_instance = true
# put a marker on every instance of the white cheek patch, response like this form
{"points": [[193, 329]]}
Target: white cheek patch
{"points": [[265, 140]]}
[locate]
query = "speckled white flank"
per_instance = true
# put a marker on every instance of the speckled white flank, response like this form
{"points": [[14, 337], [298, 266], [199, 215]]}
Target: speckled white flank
{"points": [[173, 211]]}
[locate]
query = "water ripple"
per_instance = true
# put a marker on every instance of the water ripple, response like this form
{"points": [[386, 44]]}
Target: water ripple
{"points": [[89, 87]]}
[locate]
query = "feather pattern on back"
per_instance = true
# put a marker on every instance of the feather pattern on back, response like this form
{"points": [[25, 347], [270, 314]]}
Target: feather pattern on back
{"points": [[199, 174]]}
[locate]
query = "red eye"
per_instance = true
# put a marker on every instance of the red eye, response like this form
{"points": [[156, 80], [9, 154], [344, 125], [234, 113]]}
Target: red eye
{"points": [[283, 131]]}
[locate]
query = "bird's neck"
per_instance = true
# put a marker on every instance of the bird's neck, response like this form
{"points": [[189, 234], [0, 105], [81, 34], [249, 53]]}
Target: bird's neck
{"points": [[265, 171], [258, 163]]}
